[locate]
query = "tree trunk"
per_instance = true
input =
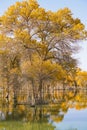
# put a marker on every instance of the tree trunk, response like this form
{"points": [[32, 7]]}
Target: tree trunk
{"points": [[40, 90]]}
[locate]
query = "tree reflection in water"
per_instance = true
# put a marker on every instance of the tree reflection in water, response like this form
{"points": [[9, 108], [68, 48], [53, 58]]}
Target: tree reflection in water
{"points": [[42, 117]]}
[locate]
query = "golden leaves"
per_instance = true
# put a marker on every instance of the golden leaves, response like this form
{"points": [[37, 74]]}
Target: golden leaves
{"points": [[81, 78], [22, 36], [33, 4], [47, 36]]}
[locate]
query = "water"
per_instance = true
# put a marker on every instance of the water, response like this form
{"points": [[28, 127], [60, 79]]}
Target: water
{"points": [[68, 111], [73, 119]]}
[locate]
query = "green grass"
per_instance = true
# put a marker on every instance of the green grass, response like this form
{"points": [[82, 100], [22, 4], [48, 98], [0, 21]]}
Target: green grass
{"points": [[17, 125]]}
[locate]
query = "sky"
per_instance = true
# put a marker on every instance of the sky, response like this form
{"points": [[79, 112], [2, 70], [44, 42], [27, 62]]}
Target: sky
{"points": [[79, 10]]}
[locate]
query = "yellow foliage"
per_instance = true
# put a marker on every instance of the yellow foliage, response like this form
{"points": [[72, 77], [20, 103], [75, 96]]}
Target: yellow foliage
{"points": [[22, 36], [43, 69], [39, 14], [33, 4], [82, 78]]}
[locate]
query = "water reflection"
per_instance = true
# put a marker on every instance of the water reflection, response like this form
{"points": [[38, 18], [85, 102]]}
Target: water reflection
{"points": [[67, 111]]}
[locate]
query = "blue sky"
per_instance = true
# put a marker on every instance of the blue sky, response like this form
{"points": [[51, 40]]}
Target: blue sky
{"points": [[78, 8]]}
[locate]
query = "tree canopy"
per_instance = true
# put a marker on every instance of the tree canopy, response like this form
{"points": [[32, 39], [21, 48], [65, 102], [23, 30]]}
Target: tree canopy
{"points": [[37, 45]]}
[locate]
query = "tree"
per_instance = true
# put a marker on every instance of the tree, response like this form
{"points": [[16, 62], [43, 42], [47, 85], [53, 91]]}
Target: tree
{"points": [[41, 72], [42, 40], [82, 78]]}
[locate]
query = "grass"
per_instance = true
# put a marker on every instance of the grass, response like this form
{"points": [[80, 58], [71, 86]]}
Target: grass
{"points": [[17, 125]]}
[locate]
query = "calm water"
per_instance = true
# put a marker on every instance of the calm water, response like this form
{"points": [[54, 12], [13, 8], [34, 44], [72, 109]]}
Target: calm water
{"points": [[73, 119], [68, 111]]}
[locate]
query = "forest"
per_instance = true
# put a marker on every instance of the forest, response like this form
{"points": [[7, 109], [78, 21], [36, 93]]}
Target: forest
{"points": [[36, 53]]}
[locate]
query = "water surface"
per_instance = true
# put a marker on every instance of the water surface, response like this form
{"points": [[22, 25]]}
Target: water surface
{"points": [[67, 111]]}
